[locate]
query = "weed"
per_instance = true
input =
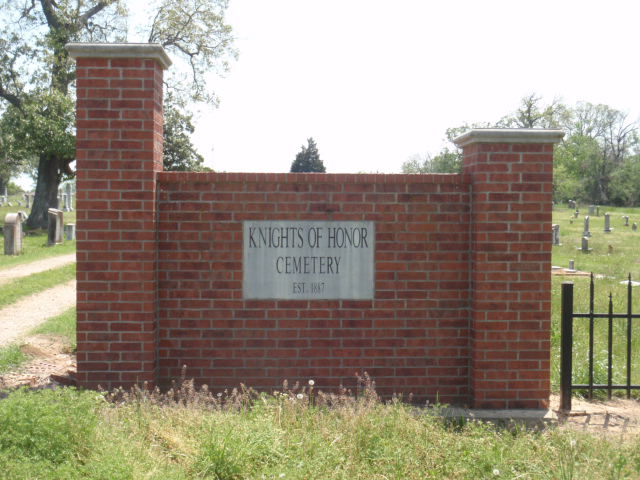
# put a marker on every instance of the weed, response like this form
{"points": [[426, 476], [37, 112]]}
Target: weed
{"points": [[48, 425]]}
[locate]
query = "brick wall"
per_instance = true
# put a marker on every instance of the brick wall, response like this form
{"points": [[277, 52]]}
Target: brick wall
{"points": [[510, 271], [118, 152], [461, 303], [412, 337]]}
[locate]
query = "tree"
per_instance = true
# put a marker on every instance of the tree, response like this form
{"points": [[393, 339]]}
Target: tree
{"points": [[36, 74], [599, 142], [179, 153], [308, 159], [532, 114], [447, 161], [598, 161]]}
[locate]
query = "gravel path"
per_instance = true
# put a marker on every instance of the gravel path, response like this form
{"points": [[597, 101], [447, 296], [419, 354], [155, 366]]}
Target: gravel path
{"points": [[25, 269], [20, 317]]}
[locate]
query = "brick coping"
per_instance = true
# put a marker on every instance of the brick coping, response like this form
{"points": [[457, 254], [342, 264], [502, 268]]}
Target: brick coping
{"points": [[200, 177]]}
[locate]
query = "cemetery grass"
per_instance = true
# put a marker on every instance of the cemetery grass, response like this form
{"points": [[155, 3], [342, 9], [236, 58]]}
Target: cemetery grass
{"points": [[35, 248], [192, 434], [34, 283], [11, 357], [610, 266]]}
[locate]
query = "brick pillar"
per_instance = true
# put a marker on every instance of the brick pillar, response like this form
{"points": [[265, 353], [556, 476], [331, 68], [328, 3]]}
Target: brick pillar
{"points": [[119, 152], [511, 174]]}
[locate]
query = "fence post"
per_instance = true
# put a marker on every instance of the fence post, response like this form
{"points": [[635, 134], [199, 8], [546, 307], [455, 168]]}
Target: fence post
{"points": [[566, 346]]}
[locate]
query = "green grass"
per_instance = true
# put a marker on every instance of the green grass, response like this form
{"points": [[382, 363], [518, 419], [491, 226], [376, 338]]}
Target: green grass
{"points": [[69, 434], [625, 257], [13, 291], [611, 267], [35, 247], [63, 325], [11, 357], [35, 243]]}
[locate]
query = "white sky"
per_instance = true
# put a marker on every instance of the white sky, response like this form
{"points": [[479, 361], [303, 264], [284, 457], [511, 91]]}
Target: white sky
{"points": [[375, 81]]}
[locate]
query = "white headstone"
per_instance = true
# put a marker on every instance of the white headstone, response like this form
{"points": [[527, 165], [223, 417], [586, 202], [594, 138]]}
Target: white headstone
{"points": [[55, 226], [13, 234], [607, 223], [586, 232], [70, 231]]}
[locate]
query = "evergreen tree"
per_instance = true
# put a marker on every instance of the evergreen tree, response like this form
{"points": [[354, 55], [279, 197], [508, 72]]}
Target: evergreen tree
{"points": [[180, 155], [308, 159]]}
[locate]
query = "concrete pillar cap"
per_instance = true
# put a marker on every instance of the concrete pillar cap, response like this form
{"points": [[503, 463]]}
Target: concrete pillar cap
{"points": [[153, 51], [509, 135]]}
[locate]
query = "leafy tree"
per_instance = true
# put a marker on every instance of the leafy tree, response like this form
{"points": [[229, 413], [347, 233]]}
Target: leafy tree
{"points": [[36, 74], [447, 161], [308, 159], [598, 143], [598, 161]]}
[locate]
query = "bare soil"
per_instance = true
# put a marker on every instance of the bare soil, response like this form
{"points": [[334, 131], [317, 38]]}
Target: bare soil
{"points": [[29, 312], [615, 416], [51, 356]]}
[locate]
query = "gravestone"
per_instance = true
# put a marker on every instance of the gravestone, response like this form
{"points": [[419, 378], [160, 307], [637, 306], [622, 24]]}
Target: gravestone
{"points": [[13, 234], [572, 204], [27, 199], [55, 226], [634, 227], [556, 234], [607, 223], [585, 245], [592, 209], [572, 265], [576, 213], [70, 231], [586, 232], [69, 202], [626, 220], [597, 211]]}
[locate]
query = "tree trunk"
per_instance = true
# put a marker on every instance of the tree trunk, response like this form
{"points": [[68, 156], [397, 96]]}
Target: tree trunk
{"points": [[46, 195]]}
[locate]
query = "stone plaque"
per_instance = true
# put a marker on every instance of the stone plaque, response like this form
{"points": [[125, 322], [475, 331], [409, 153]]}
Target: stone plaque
{"points": [[304, 260]]}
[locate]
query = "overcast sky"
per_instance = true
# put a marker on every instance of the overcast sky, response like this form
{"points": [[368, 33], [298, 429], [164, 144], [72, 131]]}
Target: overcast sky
{"points": [[374, 81], [377, 81]]}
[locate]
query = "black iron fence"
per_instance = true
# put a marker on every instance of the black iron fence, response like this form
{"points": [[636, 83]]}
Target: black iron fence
{"points": [[566, 347]]}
